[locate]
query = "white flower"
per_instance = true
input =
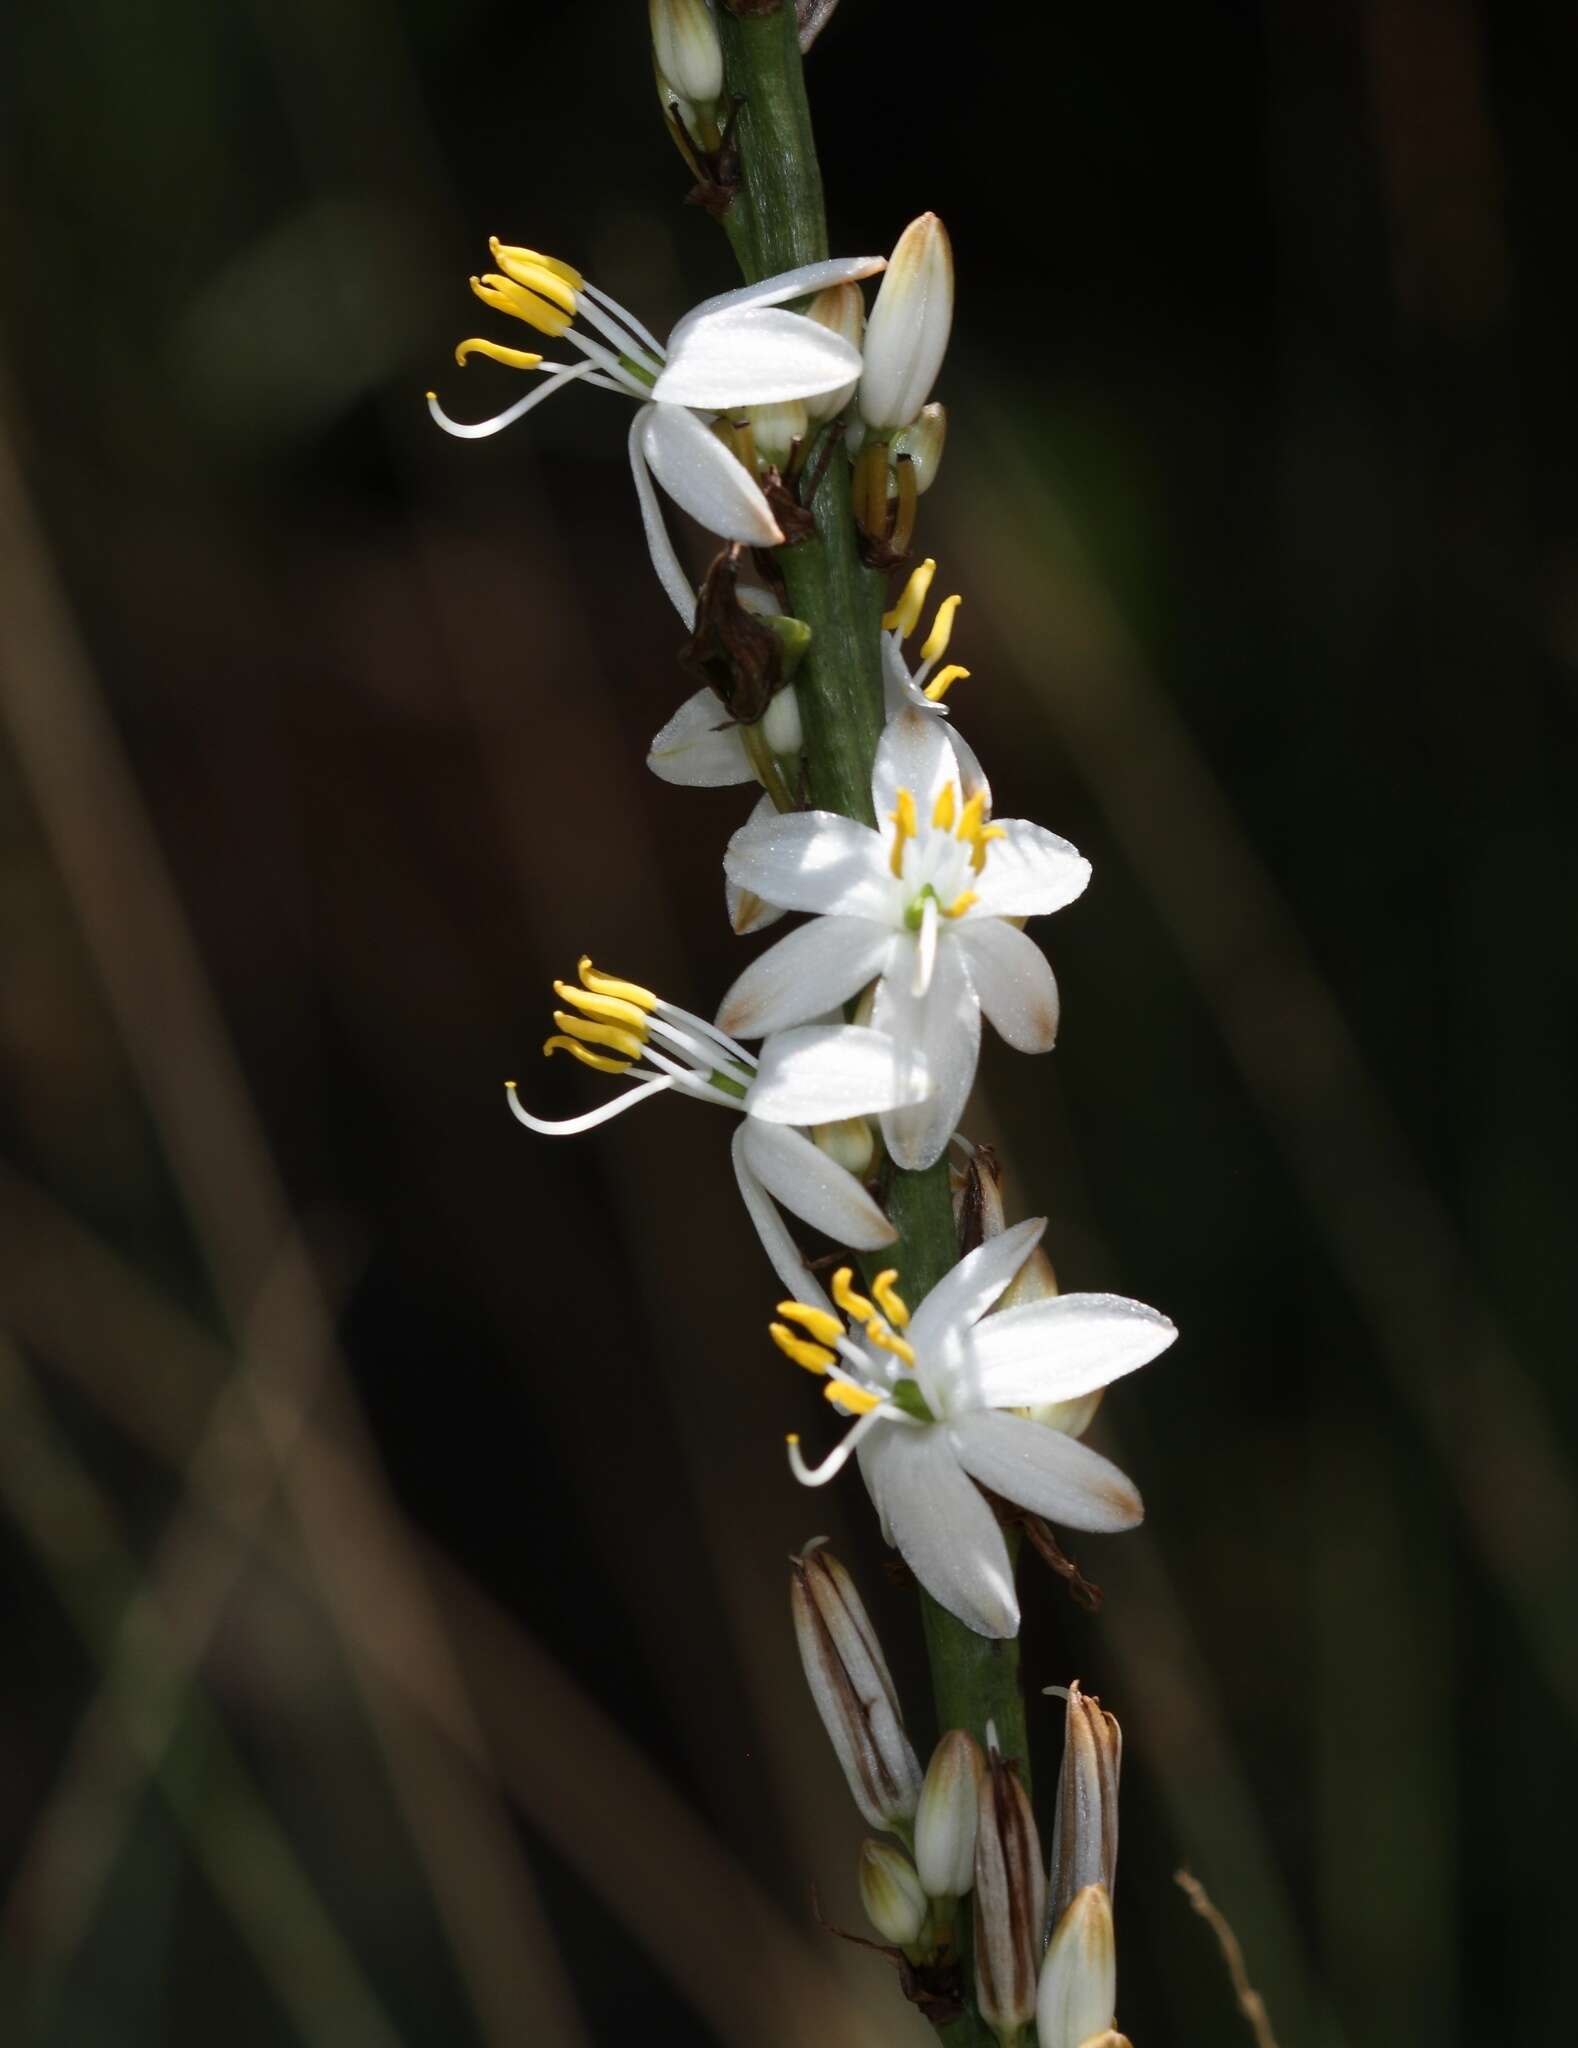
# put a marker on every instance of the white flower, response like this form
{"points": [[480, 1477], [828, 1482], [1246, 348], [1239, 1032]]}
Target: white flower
{"points": [[738, 349], [925, 686], [818, 1075], [936, 1395], [907, 333], [925, 905]]}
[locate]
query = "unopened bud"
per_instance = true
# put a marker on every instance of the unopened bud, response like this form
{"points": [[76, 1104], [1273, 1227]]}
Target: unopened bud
{"points": [[945, 1820], [776, 428], [1079, 1979], [853, 1691], [1010, 1900], [907, 333], [1085, 1825], [923, 442], [781, 720], [842, 310], [849, 1142], [686, 49], [891, 1893]]}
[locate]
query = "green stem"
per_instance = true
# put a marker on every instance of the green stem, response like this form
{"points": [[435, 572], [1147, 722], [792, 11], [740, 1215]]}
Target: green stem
{"points": [[840, 691], [781, 181]]}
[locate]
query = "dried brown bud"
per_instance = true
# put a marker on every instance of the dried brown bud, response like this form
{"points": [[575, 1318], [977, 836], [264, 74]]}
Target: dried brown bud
{"points": [[1085, 1827], [852, 1688], [1010, 1899]]}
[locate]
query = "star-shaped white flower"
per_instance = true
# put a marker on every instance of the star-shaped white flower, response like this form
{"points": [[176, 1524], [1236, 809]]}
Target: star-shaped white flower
{"points": [[822, 1074], [737, 349], [937, 1396], [924, 905]]}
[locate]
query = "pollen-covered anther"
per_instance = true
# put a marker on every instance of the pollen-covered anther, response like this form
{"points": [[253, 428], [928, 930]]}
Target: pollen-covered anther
{"points": [[905, 827], [905, 615], [610, 1009], [889, 1300], [854, 1305], [878, 1333], [936, 641], [943, 682], [814, 1357], [511, 256], [585, 1054], [610, 985], [827, 1329], [852, 1399], [546, 304], [942, 810], [513, 358], [965, 900], [592, 1032]]}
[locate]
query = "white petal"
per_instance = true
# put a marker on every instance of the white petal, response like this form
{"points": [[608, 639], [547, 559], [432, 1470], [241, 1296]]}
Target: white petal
{"points": [[664, 560], [785, 284], [1059, 1349], [753, 355], [810, 970], [1029, 872], [783, 1253], [1012, 979], [944, 1027], [966, 1291], [913, 753], [812, 860], [971, 774], [704, 478], [1045, 1471], [747, 911], [941, 1526], [799, 1174], [701, 746], [821, 1073]]}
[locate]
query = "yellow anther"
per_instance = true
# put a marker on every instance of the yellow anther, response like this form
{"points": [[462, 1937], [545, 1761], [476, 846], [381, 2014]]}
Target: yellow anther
{"points": [[585, 1055], [853, 1400], [878, 1333], [972, 818], [527, 269], [961, 903], [827, 1329], [983, 840], [612, 1009], [943, 681], [507, 253], [516, 358], [814, 1357], [889, 1299], [905, 615], [610, 985], [942, 809], [509, 297], [854, 1305], [625, 1043], [904, 827], [936, 641]]}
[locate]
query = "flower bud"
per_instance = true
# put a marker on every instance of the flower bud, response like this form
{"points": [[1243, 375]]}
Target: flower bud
{"points": [[854, 1694], [781, 721], [1085, 1824], [776, 428], [849, 1142], [923, 441], [686, 49], [945, 1820], [907, 332], [842, 310], [1079, 1979], [1010, 1900], [891, 1894]]}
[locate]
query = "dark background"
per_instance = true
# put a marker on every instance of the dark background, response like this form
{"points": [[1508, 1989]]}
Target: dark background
{"points": [[427, 1678]]}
